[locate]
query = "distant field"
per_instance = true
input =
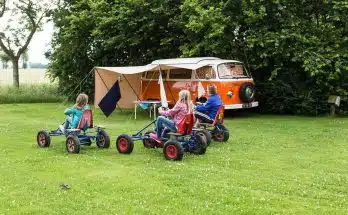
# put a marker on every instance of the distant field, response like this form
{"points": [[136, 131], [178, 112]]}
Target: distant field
{"points": [[26, 76]]}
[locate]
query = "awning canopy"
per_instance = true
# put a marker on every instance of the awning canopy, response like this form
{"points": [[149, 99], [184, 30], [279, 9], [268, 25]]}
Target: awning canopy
{"points": [[151, 67], [129, 69]]}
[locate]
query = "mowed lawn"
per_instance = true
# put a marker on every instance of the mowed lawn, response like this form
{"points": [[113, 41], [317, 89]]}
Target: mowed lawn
{"points": [[270, 165]]}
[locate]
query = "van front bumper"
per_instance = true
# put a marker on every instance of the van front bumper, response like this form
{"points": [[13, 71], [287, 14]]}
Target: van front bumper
{"points": [[241, 106]]}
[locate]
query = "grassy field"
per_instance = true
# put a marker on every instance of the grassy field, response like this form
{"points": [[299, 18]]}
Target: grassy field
{"points": [[30, 93], [26, 76], [271, 165]]}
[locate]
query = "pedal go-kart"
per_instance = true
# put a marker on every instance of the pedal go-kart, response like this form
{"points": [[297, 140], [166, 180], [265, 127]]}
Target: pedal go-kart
{"points": [[215, 130], [174, 144], [77, 137]]}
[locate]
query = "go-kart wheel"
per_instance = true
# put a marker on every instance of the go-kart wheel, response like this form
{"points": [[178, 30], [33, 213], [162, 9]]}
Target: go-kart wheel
{"points": [[207, 135], [221, 135], [173, 150], [201, 144], [73, 144], [103, 140], [124, 144], [149, 143], [43, 139]]}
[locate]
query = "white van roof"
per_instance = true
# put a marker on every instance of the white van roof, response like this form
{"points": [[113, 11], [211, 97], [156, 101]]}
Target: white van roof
{"points": [[186, 63], [193, 60]]}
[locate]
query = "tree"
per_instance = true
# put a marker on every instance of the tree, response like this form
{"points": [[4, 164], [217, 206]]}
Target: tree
{"points": [[296, 50], [25, 58], [105, 32], [24, 18]]}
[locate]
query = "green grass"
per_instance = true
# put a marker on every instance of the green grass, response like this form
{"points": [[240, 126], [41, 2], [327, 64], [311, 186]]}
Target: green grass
{"points": [[271, 165], [30, 93]]}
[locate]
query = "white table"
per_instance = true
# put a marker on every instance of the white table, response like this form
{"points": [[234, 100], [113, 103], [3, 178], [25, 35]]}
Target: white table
{"points": [[152, 104]]}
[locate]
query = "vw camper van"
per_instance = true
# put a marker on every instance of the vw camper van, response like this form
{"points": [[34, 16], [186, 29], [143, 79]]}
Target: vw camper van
{"points": [[234, 84]]}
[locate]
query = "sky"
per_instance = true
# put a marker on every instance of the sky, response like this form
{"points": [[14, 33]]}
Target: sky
{"points": [[40, 44]]}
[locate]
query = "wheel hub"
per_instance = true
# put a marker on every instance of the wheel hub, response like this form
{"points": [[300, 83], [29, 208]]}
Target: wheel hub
{"points": [[219, 136], [102, 140], [42, 139], [71, 145], [171, 151], [123, 144]]}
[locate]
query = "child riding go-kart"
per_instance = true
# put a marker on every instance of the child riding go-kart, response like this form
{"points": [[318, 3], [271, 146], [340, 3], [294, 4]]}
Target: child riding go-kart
{"points": [[78, 136], [174, 144], [210, 116], [215, 130]]}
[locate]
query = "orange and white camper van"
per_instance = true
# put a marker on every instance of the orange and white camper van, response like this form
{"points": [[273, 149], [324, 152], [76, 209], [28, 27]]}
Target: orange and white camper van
{"points": [[234, 84]]}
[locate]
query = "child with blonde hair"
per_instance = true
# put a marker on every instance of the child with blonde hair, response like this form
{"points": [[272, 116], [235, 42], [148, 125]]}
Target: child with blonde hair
{"points": [[75, 112], [177, 113]]}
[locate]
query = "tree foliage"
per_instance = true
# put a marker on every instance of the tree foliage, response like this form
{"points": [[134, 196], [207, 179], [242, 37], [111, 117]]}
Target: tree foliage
{"points": [[23, 18], [296, 50], [100, 33]]}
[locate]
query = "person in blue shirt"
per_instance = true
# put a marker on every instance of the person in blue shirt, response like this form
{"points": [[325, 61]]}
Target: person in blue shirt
{"points": [[75, 112], [206, 112]]}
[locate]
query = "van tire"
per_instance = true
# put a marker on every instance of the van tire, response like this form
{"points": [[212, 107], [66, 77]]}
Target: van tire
{"points": [[247, 92]]}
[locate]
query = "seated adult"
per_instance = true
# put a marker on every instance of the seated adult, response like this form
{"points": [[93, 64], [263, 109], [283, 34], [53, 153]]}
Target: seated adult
{"points": [[206, 112], [177, 113]]}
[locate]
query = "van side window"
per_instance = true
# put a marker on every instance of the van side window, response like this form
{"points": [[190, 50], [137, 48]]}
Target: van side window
{"points": [[206, 72], [155, 74], [180, 74]]}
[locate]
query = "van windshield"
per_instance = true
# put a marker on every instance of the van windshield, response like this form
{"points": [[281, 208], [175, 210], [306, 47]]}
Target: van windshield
{"points": [[232, 70]]}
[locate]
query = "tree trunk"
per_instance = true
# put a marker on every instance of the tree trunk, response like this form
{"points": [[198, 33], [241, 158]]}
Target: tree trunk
{"points": [[15, 73]]}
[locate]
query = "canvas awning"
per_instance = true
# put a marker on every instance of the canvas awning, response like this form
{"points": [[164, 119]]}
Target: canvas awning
{"points": [[105, 77], [129, 69], [150, 67]]}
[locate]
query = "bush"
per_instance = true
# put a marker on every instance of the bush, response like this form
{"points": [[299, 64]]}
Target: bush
{"points": [[37, 93], [292, 92]]}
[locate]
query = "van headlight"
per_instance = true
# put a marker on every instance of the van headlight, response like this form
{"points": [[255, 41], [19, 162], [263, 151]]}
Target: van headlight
{"points": [[230, 94]]}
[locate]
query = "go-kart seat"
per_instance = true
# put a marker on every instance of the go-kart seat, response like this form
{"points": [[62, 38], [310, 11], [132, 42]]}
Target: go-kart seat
{"points": [[185, 126], [86, 120], [219, 118]]}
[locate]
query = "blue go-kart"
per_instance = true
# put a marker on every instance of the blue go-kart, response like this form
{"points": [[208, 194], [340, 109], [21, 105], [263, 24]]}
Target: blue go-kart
{"points": [[174, 144], [77, 137]]}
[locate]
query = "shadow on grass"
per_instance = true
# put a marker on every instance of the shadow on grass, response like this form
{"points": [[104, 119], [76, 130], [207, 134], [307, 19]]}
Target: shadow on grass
{"points": [[242, 113]]}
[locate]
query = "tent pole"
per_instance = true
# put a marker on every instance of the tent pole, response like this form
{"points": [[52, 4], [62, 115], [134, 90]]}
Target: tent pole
{"points": [[107, 87]]}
